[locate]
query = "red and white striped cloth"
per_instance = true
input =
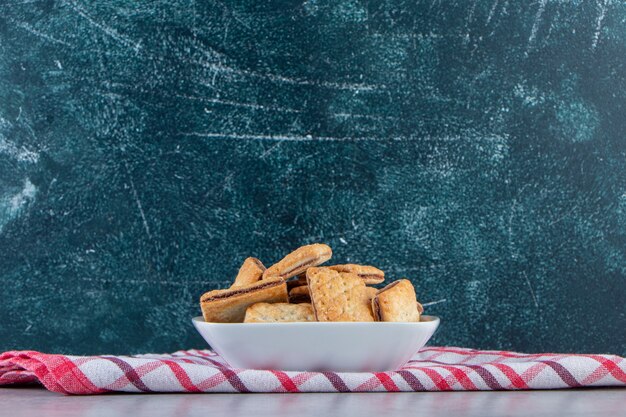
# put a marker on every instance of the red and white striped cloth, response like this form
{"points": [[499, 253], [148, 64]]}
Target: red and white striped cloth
{"points": [[431, 369]]}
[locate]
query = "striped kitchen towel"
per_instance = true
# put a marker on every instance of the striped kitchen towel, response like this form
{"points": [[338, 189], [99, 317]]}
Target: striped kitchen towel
{"points": [[431, 369]]}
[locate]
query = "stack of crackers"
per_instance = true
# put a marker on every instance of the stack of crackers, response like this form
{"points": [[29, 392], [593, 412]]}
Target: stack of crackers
{"points": [[297, 288]]}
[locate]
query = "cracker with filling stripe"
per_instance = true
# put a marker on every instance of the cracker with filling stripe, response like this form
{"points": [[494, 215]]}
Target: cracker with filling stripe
{"points": [[300, 295], [369, 274], [396, 302], [250, 272], [299, 260], [229, 306]]}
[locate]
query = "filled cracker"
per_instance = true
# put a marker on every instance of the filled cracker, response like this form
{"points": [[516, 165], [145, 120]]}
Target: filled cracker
{"points": [[300, 295], [396, 302], [299, 261], [369, 274], [229, 306], [250, 272]]}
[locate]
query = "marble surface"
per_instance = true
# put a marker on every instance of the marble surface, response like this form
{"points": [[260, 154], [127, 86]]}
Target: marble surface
{"points": [[476, 147], [32, 402]]}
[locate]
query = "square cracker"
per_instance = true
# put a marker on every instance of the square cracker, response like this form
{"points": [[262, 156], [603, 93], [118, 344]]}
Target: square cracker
{"points": [[229, 306], [396, 302], [279, 312], [338, 296]]}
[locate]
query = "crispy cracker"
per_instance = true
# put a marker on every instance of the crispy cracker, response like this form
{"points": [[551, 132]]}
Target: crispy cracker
{"points": [[229, 306], [250, 272], [299, 260], [396, 302], [369, 274], [279, 312], [300, 295], [338, 296]]}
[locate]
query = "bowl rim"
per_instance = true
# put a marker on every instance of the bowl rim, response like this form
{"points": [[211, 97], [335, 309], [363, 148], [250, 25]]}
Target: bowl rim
{"points": [[432, 321]]}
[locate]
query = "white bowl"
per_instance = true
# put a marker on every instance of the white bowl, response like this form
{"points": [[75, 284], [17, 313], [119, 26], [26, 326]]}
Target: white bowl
{"points": [[317, 346]]}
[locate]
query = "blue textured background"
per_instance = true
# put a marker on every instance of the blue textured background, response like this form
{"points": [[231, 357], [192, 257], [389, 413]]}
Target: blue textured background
{"points": [[147, 148]]}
